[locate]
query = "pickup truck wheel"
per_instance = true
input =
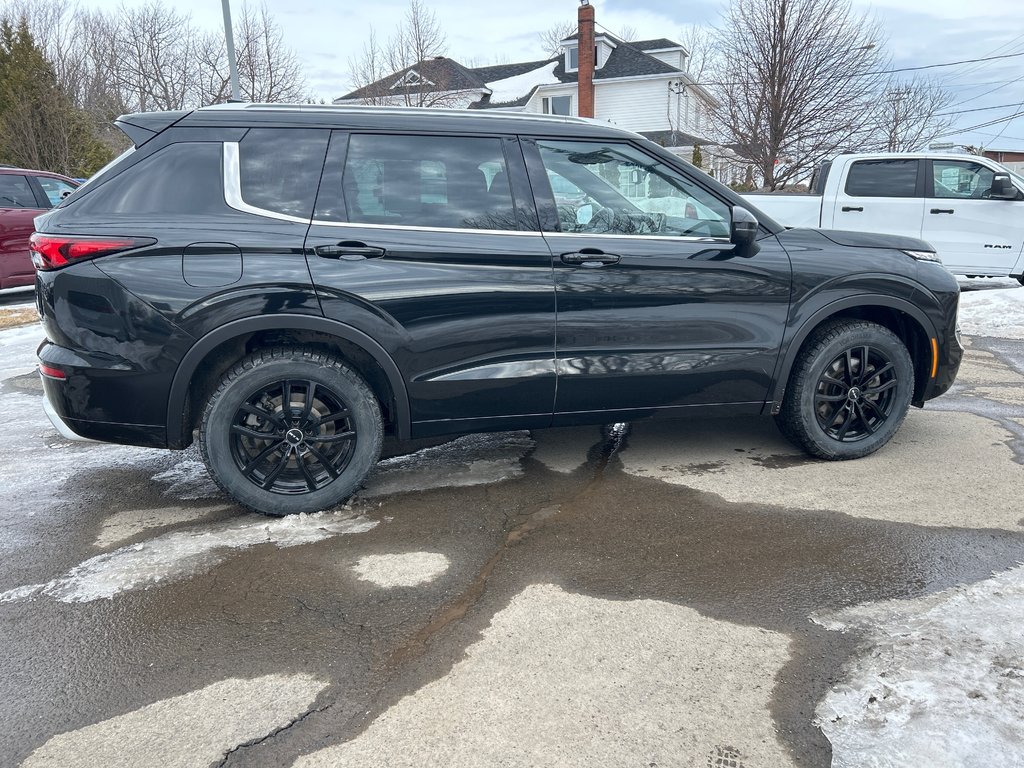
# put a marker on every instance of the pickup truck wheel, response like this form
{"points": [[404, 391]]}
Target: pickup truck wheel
{"points": [[291, 430], [849, 390]]}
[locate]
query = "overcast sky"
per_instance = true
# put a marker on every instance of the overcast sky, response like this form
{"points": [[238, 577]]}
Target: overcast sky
{"points": [[327, 33]]}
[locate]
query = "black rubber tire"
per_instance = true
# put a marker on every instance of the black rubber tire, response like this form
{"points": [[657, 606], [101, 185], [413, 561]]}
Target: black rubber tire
{"points": [[797, 419], [261, 369]]}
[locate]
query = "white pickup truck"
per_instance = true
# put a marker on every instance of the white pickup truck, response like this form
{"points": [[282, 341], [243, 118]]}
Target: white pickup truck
{"points": [[970, 208]]}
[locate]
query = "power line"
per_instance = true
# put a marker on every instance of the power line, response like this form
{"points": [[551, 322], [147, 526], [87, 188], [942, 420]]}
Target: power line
{"points": [[997, 121], [976, 109]]}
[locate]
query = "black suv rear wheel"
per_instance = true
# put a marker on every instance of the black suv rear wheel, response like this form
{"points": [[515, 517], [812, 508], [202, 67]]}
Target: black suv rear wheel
{"points": [[849, 390], [291, 430]]}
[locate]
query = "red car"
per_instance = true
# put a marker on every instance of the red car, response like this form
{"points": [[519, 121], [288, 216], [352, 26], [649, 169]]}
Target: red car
{"points": [[23, 196]]}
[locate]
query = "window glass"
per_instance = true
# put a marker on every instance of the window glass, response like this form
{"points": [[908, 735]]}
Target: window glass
{"points": [[280, 168], [15, 192], [427, 181], [55, 189], [558, 105], [574, 58], [617, 189], [184, 178], [962, 179], [882, 178]]}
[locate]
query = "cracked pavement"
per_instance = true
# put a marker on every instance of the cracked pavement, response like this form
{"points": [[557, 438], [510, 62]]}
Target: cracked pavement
{"points": [[666, 593]]}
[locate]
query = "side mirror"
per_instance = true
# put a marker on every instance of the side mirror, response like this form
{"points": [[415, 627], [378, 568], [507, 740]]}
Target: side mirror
{"points": [[1002, 187], [743, 232]]}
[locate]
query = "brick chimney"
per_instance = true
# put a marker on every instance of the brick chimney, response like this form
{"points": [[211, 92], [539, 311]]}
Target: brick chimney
{"points": [[586, 59]]}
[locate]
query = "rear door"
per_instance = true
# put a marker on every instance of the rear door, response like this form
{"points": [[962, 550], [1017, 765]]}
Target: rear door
{"points": [[881, 195], [18, 208], [972, 233], [656, 311], [430, 245]]}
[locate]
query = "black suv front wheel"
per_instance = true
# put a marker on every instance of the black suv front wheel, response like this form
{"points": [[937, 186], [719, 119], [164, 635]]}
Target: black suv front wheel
{"points": [[849, 390], [291, 430]]}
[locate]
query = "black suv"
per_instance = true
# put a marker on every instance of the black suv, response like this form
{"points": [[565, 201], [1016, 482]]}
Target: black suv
{"points": [[296, 282]]}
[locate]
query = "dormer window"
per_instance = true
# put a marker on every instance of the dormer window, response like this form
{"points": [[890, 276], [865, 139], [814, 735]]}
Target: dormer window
{"points": [[411, 79], [572, 59], [603, 48]]}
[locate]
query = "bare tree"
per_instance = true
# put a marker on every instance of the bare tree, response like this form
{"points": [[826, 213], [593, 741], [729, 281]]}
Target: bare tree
{"points": [[796, 80], [410, 69], [699, 43], [552, 37], [268, 71], [910, 115]]}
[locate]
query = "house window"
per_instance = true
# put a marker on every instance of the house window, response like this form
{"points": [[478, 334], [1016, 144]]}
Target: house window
{"points": [[557, 105], [573, 55]]}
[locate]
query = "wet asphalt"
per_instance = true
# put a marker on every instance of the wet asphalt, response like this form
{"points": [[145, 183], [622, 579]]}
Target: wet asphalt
{"points": [[596, 531]]}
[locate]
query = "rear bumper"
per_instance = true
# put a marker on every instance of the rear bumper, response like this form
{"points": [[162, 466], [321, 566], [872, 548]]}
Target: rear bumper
{"points": [[58, 423]]}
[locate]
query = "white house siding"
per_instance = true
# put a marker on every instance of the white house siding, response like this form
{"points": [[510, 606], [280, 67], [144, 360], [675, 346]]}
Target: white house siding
{"points": [[535, 104], [640, 105], [672, 58]]}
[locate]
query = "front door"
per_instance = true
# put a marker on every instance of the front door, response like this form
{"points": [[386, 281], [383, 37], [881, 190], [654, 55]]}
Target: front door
{"points": [[656, 311], [972, 233], [430, 244]]}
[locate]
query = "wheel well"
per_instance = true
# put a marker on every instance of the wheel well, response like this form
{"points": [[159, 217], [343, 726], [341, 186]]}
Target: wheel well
{"points": [[221, 358], [905, 327]]}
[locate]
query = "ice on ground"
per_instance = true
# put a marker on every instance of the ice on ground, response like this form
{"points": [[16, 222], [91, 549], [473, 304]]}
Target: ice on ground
{"points": [[124, 525], [517, 86], [584, 681], [942, 683], [470, 460], [194, 729], [404, 570], [175, 555], [188, 480], [993, 313], [17, 349]]}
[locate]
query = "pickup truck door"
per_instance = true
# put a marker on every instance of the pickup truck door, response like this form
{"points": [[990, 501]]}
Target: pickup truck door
{"points": [[879, 195], [972, 233]]}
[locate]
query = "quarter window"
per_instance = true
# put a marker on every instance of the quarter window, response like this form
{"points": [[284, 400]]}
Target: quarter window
{"points": [[183, 178], [617, 189], [280, 168], [883, 178], [55, 189], [961, 179], [15, 192], [426, 181]]}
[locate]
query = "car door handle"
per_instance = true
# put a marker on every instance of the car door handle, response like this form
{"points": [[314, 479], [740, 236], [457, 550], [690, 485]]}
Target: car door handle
{"points": [[848, 208], [349, 250], [589, 257], [942, 210]]}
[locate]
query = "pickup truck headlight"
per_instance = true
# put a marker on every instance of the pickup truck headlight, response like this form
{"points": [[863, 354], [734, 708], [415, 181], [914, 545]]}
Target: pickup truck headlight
{"points": [[924, 256]]}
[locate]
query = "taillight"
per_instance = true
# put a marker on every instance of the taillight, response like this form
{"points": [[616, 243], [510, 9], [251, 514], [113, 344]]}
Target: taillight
{"points": [[50, 372], [56, 251]]}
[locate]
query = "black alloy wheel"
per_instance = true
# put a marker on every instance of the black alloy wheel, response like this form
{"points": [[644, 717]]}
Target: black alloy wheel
{"points": [[848, 391], [291, 430], [855, 394], [293, 436]]}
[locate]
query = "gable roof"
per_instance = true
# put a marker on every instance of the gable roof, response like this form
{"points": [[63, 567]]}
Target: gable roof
{"points": [[658, 44], [625, 60]]}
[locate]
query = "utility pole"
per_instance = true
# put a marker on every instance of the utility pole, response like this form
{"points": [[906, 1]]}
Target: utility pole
{"points": [[229, 37]]}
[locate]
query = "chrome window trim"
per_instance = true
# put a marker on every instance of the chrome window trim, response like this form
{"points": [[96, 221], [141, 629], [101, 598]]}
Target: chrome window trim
{"points": [[677, 238], [411, 228], [233, 188]]}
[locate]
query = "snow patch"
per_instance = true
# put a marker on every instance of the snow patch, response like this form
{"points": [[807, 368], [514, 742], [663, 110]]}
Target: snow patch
{"points": [[993, 313], [131, 522], [942, 683], [179, 554], [517, 86], [470, 460], [405, 570], [189, 480]]}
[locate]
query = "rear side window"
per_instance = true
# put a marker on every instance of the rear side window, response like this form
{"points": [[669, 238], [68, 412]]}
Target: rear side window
{"points": [[427, 181], [55, 189], [181, 178], [883, 178], [280, 168], [15, 192]]}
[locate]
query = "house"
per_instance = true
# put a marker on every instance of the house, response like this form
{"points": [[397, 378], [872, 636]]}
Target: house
{"points": [[642, 86], [1011, 158]]}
